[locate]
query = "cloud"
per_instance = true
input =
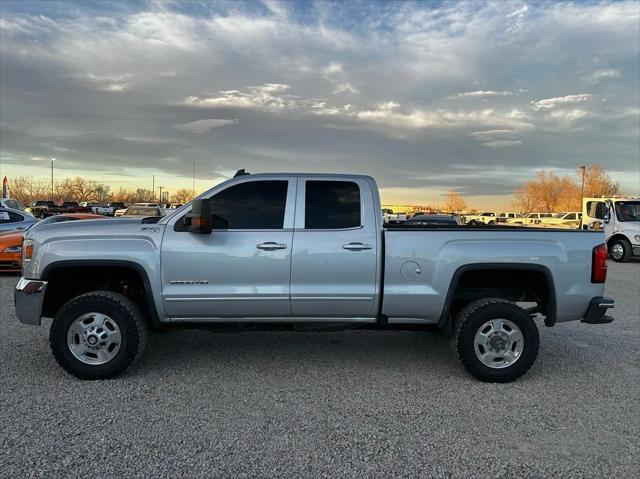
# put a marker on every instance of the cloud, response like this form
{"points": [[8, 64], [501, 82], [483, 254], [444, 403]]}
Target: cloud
{"points": [[600, 75], [502, 143], [480, 94], [202, 126], [549, 103], [264, 97]]}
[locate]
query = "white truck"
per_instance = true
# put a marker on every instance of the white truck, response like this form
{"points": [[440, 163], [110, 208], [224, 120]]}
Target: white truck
{"points": [[304, 251], [620, 219], [485, 218]]}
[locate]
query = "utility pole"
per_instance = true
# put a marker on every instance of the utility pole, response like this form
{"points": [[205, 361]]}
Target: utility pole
{"points": [[153, 188], [160, 188], [52, 160], [583, 168]]}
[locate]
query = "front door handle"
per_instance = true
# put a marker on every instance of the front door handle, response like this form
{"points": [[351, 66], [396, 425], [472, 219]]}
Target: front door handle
{"points": [[271, 245], [357, 246]]}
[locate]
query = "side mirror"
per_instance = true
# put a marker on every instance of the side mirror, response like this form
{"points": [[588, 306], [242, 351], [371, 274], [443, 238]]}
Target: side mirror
{"points": [[199, 220], [606, 218]]}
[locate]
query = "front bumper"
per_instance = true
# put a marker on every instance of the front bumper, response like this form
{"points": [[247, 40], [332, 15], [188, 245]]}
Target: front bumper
{"points": [[636, 250], [29, 297], [596, 313]]}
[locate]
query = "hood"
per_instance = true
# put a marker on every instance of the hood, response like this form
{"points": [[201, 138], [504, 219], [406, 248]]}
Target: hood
{"points": [[101, 228]]}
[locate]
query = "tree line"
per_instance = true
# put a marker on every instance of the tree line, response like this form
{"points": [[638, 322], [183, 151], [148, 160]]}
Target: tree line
{"points": [[546, 192], [26, 190]]}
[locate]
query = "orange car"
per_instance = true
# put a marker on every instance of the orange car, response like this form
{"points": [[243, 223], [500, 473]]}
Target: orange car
{"points": [[11, 241]]}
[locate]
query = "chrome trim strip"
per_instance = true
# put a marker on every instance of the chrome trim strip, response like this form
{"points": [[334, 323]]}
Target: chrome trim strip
{"points": [[269, 319], [332, 298], [229, 298]]}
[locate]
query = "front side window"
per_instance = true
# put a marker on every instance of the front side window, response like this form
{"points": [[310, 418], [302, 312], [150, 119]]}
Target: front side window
{"points": [[254, 205], [596, 209], [332, 205]]}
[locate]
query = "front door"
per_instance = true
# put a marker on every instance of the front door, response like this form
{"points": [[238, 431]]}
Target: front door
{"points": [[335, 244], [243, 268]]}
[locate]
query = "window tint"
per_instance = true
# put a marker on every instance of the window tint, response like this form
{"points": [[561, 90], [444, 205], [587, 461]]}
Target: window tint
{"points": [[255, 205], [332, 205]]}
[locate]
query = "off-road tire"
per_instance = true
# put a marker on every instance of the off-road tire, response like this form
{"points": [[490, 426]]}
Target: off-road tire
{"points": [[472, 317], [120, 309]]}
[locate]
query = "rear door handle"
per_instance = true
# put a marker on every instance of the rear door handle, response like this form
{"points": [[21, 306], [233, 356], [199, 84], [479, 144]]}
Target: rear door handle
{"points": [[271, 245], [357, 246]]}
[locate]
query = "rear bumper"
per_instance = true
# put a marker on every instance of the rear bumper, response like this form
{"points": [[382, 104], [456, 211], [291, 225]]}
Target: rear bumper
{"points": [[29, 297], [596, 313]]}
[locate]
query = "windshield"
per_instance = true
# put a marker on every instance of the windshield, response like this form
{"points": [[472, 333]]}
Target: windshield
{"points": [[628, 210]]}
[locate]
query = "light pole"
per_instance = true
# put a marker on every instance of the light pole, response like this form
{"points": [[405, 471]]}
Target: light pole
{"points": [[583, 168], [153, 188], [52, 160]]}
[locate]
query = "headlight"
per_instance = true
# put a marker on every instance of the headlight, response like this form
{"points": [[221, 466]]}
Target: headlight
{"points": [[27, 250], [14, 249], [637, 238]]}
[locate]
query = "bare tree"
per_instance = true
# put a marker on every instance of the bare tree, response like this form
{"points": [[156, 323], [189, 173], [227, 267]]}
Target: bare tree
{"points": [[26, 189], [454, 203], [182, 196]]}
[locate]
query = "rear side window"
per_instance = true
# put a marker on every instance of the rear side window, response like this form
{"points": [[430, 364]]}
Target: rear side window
{"points": [[258, 205], [10, 217], [332, 205]]}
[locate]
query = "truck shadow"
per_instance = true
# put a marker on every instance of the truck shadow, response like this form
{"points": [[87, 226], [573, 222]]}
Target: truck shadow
{"points": [[201, 351]]}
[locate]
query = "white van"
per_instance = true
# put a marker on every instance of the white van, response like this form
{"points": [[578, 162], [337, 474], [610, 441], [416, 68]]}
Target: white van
{"points": [[620, 218]]}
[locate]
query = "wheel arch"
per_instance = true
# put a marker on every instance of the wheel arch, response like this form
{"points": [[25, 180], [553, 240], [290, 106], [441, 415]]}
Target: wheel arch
{"points": [[110, 269], [544, 280]]}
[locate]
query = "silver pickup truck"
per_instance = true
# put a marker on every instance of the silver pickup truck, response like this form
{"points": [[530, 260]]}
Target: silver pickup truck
{"points": [[304, 252]]}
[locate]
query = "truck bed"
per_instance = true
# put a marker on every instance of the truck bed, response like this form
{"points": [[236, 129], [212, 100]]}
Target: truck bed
{"points": [[423, 263]]}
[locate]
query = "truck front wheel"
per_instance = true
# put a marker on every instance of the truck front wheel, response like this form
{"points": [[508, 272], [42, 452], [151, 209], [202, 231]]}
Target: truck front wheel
{"points": [[620, 250], [98, 335], [496, 340]]}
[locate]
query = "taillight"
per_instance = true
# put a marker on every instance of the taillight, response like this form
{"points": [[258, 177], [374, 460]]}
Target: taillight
{"points": [[599, 264]]}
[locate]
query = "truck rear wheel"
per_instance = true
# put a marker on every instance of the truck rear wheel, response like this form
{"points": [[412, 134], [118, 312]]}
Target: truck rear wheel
{"points": [[98, 335], [496, 340], [620, 250]]}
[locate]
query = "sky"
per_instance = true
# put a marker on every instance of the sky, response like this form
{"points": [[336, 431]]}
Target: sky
{"points": [[427, 97]]}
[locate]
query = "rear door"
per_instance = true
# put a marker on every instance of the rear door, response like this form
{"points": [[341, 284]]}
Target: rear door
{"points": [[335, 247], [241, 269]]}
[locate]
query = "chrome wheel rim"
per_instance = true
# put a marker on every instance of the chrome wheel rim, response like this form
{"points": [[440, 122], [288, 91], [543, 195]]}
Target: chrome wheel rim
{"points": [[94, 338], [498, 343], [617, 251]]}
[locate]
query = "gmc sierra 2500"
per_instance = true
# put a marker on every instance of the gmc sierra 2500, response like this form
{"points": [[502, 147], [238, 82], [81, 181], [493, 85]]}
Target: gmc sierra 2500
{"points": [[277, 251]]}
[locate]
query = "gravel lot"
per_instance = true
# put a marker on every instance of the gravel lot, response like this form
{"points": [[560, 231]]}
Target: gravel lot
{"points": [[349, 404]]}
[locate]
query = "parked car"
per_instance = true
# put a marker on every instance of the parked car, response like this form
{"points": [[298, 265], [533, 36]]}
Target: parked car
{"points": [[571, 219], [144, 211], [391, 218], [39, 208], [486, 218], [433, 220], [11, 241], [620, 219], [175, 206], [121, 211], [530, 219], [11, 219], [11, 203], [271, 250], [108, 209], [504, 217]]}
